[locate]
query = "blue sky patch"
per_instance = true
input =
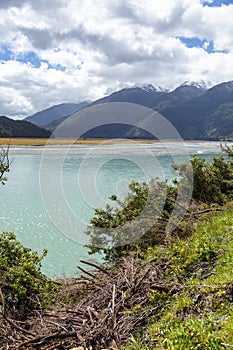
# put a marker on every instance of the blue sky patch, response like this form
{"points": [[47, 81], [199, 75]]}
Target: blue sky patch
{"points": [[218, 3], [206, 45], [28, 57], [55, 66], [191, 42], [196, 42], [6, 54]]}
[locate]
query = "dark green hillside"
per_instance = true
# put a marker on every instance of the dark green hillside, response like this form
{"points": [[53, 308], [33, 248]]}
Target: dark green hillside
{"points": [[220, 123], [21, 128], [192, 118]]}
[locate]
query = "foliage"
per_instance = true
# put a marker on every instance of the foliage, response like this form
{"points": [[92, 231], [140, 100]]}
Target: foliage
{"points": [[4, 163], [128, 226], [136, 222], [23, 287], [201, 316], [212, 182]]}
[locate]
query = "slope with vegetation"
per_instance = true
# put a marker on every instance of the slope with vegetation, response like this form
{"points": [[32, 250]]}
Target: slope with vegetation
{"points": [[199, 313], [21, 128], [166, 290]]}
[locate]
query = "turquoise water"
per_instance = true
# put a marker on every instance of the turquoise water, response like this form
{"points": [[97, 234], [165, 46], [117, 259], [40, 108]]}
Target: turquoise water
{"points": [[87, 180]]}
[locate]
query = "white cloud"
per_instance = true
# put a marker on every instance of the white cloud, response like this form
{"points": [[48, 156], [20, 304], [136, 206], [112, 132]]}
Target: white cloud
{"points": [[104, 45]]}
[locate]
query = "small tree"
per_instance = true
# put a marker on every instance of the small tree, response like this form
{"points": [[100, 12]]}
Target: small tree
{"points": [[4, 163]]}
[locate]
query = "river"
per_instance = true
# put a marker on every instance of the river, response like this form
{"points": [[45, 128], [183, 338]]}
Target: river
{"points": [[83, 177]]}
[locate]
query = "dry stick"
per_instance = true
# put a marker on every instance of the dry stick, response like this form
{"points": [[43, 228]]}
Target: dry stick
{"points": [[88, 273], [3, 302], [207, 210], [17, 327], [52, 347], [67, 312], [137, 283], [89, 313], [57, 324], [197, 212], [77, 281], [165, 288], [42, 339], [113, 306], [95, 265], [182, 207]]}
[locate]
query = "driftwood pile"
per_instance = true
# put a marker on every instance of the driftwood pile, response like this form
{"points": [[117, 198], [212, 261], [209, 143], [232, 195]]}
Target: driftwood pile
{"points": [[104, 308]]}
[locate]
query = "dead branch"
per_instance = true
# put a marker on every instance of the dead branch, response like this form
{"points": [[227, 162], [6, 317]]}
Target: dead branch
{"points": [[207, 210], [95, 266], [86, 272]]}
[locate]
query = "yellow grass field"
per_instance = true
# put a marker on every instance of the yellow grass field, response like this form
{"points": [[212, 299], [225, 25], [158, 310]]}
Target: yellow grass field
{"points": [[43, 142]]}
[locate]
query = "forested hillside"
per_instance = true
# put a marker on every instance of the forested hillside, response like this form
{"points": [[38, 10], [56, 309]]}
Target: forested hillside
{"points": [[21, 128]]}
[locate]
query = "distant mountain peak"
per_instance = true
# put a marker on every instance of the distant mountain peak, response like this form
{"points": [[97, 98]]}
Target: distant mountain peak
{"points": [[227, 83], [199, 84], [152, 88]]}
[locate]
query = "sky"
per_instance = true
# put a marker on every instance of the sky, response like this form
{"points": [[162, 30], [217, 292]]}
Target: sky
{"points": [[56, 51]]}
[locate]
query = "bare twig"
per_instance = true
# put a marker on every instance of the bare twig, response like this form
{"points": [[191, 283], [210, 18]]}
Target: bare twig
{"points": [[43, 339], [87, 272], [21, 329], [206, 211], [95, 265]]}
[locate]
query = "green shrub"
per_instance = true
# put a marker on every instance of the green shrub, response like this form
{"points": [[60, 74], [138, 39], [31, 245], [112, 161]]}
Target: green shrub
{"points": [[126, 222], [212, 184], [22, 284]]}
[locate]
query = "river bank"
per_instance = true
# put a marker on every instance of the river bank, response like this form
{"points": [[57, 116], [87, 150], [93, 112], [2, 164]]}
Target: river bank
{"points": [[176, 296], [167, 289]]}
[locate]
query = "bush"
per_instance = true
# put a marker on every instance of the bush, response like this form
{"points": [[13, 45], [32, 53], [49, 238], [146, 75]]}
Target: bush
{"points": [[128, 227], [212, 184], [23, 286]]}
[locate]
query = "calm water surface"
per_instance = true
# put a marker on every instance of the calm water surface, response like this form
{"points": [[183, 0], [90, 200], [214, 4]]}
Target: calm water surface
{"points": [[88, 178]]}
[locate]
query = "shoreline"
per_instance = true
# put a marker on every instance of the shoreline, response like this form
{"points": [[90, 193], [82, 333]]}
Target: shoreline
{"points": [[113, 147], [50, 141]]}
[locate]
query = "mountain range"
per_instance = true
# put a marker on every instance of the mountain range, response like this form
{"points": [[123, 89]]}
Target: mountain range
{"points": [[196, 111]]}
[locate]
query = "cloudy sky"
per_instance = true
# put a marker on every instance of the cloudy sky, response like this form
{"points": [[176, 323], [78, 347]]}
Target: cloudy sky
{"points": [[54, 51]]}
